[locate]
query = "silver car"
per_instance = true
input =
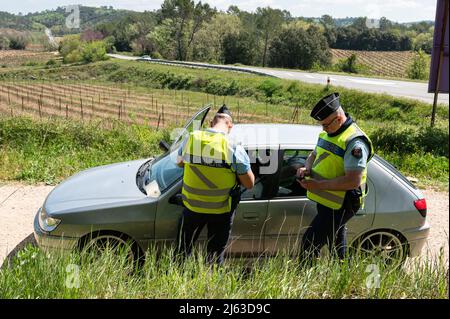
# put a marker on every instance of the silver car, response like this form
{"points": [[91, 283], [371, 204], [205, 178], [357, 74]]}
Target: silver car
{"points": [[137, 202]]}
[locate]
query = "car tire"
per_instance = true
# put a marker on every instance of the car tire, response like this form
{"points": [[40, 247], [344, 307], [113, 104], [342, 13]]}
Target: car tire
{"points": [[100, 241], [390, 246]]}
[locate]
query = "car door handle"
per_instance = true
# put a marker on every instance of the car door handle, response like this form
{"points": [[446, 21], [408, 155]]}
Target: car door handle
{"points": [[250, 216]]}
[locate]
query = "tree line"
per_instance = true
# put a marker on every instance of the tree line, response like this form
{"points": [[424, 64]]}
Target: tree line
{"points": [[194, 31]]}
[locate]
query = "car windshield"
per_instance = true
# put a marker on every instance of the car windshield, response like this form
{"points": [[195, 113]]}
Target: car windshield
{"points": [[164, 171], [161, 174]]}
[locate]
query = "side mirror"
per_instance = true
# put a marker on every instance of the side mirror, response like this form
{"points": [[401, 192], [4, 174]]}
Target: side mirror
{"points": [[164, 146], [176, 200]]}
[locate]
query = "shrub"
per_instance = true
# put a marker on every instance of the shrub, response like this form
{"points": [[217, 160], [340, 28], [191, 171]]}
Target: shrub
{"points": [[270, 88], [51, 62], [109, 44], [93, 51], [73, 56], [351, 65], [408, 141], [18, 42], [217, 87], [73, 50], [419, 67], [157, 55], [4, 42], [68, 46]]}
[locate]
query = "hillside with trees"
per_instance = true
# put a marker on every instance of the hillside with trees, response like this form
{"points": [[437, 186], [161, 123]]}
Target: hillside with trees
{"points": [[55, 19], [194, 31]]}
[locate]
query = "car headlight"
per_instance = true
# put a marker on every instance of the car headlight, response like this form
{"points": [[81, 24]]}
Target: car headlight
{"points": [[46, 222]]}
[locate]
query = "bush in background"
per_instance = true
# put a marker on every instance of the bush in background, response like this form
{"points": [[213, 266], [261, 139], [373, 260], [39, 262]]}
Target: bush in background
{"points": [[73, 49], [427, 140], [350, 65], [419, 68], [18, 42], [94, 51], [4, 42]]}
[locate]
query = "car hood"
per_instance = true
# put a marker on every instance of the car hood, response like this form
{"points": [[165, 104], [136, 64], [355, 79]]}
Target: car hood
{"points": [[102, 186]]}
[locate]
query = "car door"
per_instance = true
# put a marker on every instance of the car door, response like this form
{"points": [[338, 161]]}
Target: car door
{"points": [[247, 235], [290, 212], [168, 214]]}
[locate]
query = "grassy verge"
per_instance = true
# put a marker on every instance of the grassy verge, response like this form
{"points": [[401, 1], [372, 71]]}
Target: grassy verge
{"points": [[52, 150], [35, 274], [420, 152]]}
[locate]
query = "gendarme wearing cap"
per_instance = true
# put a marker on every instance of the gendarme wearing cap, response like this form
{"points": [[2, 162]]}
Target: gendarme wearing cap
{"points": [[326, 107], [334, 176], [213, 169]]}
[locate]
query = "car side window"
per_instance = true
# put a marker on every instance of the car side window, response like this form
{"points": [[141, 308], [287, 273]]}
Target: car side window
{"points": [[288, 185], [260, 159]]}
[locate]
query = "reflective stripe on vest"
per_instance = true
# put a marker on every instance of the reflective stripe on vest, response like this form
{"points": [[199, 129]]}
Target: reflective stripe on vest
{"points": [[329, 164], [208, 174]]}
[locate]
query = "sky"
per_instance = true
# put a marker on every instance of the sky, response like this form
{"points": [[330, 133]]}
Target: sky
{"points": [[394, 10]]}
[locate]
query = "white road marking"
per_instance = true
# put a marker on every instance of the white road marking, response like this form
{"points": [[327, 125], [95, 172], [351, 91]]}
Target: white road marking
{"points": [[371, 82], [308, 76]]}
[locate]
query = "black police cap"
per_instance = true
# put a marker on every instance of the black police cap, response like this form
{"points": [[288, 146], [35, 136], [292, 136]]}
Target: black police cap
{"points": [[224, 110], [326, 106]]}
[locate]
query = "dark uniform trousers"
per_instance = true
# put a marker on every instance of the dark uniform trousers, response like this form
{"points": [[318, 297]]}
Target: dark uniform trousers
{"points": [[219, 228], [327, 228]]}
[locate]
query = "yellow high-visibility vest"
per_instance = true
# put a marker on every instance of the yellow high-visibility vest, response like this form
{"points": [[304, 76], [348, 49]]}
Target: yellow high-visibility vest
{"points": [[329, 164], [208, 174]]}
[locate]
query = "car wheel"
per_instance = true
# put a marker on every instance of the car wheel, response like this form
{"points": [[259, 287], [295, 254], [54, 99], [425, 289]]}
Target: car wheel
{"points": [[111, 242], [388, 246]]}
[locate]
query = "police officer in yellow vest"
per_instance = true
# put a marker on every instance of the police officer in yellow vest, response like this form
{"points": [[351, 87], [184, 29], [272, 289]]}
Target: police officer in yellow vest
{"points": [[334, 177], [213, 169]]}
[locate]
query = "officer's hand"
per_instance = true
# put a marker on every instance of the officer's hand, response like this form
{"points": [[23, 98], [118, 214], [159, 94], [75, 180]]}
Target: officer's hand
{"points": [[302, 172], [309, 184]]}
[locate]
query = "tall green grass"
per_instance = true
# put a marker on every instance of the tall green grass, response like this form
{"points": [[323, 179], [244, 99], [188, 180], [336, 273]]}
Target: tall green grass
{"points": [[36, 274], [51, 150]]}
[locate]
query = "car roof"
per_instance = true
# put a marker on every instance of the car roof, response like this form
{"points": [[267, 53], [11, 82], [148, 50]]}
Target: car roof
{"points": [[274, 135]]}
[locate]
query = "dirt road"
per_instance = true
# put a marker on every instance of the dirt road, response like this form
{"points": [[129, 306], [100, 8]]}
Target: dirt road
{"points": [[19, 203]]}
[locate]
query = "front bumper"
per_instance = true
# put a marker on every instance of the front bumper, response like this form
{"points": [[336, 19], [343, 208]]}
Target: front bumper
{"points": [[417, 237], [48, 242]]}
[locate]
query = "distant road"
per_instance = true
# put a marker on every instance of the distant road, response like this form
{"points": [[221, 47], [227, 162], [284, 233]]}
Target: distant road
{"points": [[408, 89]]}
